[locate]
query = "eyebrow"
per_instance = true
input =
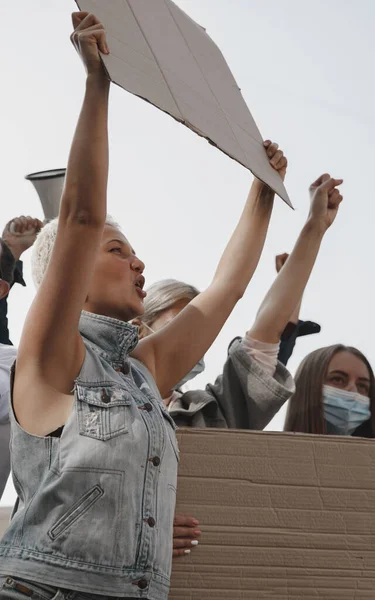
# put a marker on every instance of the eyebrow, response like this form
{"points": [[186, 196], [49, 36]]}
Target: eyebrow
{"points": [[122, 243], [346, 375]]}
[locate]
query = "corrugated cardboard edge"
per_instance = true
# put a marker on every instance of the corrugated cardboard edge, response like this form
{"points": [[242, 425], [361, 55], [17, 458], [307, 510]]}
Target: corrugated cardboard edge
{"points": [[194, 129]]}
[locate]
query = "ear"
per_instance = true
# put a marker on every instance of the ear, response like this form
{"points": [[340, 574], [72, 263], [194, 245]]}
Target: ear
{"points": [[4, 288]]}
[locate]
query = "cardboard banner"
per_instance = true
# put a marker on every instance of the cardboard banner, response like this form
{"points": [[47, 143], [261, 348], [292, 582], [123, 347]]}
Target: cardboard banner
{"points": [[161, 55], [283, 516]]}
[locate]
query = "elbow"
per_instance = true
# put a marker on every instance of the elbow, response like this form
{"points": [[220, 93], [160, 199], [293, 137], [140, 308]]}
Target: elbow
{"points": [[72, 214], [87, 218], [82, 218], [239, 294]]}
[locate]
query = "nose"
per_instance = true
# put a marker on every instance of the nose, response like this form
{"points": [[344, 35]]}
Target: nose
{"points": [[138, 265], [351, 386]]}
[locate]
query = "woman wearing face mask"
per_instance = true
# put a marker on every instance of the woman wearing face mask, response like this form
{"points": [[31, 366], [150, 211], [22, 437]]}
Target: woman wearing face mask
{"points": [[335, 394], [245, 396], [94, 453], [253, 385]]}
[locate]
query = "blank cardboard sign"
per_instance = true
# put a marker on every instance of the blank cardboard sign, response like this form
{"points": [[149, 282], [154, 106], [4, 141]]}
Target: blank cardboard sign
{"points": [[163, 56], [283, 516]]}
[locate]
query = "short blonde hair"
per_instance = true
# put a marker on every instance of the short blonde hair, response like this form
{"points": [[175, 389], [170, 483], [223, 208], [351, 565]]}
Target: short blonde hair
{"points": [[42, 249]]}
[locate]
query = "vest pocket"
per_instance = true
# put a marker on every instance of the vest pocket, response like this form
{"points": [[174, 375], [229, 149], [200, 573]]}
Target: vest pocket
{"points": [[103, 410], [76, 511]]}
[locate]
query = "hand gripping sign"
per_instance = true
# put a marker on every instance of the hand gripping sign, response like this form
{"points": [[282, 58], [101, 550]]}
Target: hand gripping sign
{"points": [[159, 53]]}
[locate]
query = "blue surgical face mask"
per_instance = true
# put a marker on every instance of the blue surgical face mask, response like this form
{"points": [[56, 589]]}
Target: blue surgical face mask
{"points": [[197, 370], [345, 411]]}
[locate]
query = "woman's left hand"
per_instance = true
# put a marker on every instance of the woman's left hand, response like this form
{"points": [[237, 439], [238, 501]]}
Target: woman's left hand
{"points": [[276, 157], [185, 535]]}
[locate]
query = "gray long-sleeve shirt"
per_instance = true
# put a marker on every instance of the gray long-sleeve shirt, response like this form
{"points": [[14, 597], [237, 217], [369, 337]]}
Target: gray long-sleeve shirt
{"points": [[244, 396], [7, 357]]}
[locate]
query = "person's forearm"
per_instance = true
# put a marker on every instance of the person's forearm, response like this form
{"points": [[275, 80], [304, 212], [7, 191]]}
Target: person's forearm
{"points": [[242, 254], [287, 289], [294, 318], [84, 196]]}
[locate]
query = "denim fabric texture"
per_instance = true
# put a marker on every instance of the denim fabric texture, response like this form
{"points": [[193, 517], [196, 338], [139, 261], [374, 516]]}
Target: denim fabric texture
{"points": [[97, 504]]}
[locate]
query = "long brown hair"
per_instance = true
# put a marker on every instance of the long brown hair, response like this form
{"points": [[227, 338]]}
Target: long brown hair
{"points": [[305, 411]]}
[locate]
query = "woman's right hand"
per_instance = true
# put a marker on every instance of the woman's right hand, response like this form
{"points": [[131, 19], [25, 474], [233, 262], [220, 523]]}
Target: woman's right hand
{"points": [[185, 535], [89, 38], [325, 201]]}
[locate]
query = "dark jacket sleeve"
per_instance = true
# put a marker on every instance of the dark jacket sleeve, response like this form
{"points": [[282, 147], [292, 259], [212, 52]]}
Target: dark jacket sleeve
{"points": [[4, 331], [291, 332]]}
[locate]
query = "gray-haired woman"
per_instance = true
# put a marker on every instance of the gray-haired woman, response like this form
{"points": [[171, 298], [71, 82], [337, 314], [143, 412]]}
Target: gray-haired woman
{"points": [[253, 385]]}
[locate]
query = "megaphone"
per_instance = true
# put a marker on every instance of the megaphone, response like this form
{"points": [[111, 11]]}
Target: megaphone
{"points": [[49, 185]]}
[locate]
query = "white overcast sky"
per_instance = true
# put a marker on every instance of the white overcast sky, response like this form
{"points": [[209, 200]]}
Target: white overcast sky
{"points": [[306, 71]]}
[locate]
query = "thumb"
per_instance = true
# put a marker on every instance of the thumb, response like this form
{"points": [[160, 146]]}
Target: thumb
{"points": [[330, 184], [77, 18], [320, 180]]}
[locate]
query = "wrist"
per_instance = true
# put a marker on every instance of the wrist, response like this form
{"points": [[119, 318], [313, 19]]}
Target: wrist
{"points": [[98, 79], [262, 189], [314, 228], [15, 250]]}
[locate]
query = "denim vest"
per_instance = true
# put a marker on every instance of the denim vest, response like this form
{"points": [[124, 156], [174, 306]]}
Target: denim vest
{"points": [[97, 504]]}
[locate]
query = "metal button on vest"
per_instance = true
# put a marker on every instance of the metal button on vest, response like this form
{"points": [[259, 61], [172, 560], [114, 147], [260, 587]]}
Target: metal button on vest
{"points": [[105, 398], [142, 584], [156, 461], [126, 368], [148, 407], [151, 521]]}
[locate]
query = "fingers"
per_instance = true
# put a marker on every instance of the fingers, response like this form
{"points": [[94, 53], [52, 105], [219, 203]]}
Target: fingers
{"points": [[335, 198], [185, 521], [272, 149], [82, 20], [181, 552], [94, 33], [87, 29], [97, 32], [185, 535], [331, 183], [189, 532], [22, 224], [184, 543], [326, 183], [320, 180], [276, 156], [183, 546]]}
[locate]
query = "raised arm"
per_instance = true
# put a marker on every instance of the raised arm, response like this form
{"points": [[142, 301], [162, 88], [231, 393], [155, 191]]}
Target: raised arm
{"points": [[287, 289], [175, 349], [50, 337], [280, 262]]}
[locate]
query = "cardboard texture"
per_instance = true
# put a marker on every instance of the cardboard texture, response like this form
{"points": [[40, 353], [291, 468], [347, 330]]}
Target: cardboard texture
{"points": [[283, 516], [160, 54]]}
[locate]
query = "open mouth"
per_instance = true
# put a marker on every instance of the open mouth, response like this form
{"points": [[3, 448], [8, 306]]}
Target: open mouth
{"points": [[139, 284]]}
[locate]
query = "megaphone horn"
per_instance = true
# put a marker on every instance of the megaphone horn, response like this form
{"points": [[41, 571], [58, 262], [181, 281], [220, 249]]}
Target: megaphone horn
{"points": [[49, 185]]}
